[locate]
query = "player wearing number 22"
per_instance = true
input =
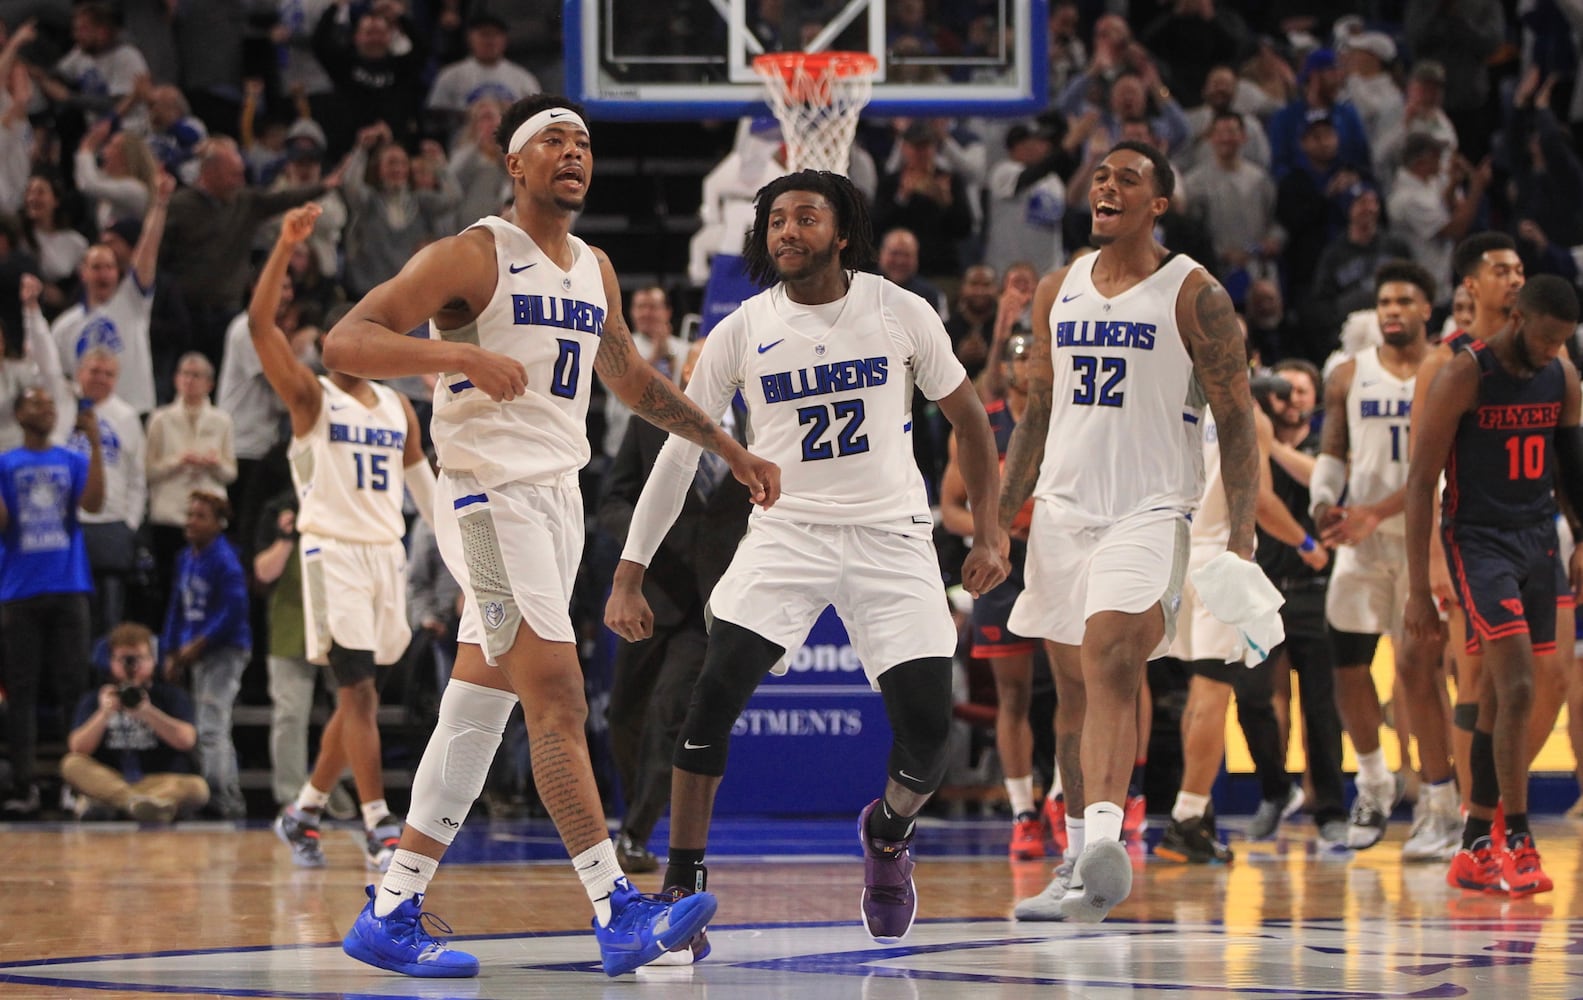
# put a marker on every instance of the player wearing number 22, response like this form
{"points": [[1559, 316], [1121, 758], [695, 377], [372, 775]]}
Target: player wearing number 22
{"points": [[826, 359], [354, 453]]}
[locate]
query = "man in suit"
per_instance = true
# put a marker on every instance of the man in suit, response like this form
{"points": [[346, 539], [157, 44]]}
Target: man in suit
{"points": [[654, 678]]}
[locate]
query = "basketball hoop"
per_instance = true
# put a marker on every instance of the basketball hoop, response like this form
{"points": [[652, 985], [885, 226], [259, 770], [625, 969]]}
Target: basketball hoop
{"points": [[817, 97]]}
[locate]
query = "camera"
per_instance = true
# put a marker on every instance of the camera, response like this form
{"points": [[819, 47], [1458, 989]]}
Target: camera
{"points": [[131, 695]]}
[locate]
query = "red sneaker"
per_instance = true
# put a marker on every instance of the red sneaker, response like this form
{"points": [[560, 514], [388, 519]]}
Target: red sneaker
{"points": [[1027, 838], [1520, 868], [1498, 825], [1134, 817], [1477, 869], [1055, 819]]}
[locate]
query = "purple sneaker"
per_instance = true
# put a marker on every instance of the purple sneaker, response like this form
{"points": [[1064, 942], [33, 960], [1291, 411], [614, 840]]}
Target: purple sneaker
{"points": [[889, 903]]}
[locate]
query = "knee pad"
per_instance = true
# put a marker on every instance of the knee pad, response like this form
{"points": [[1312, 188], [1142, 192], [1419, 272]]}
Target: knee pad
{"points": [[1464, 715], [736, 661], [349, 666], [918, 701], [451, 774]]}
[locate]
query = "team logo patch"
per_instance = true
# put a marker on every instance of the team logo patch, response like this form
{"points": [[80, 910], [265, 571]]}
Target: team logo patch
{"points": [[494, 614], [818, 350], [566, 283]]}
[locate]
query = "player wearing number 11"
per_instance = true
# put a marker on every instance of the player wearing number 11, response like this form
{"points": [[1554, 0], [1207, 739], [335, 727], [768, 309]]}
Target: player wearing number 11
{"points": [[354, 450]]}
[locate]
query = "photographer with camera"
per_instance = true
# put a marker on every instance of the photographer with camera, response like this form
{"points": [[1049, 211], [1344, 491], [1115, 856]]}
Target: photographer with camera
{"points": [[130, 748]]}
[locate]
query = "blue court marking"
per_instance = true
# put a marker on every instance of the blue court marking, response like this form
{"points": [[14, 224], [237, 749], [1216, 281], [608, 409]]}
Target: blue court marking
{"points": [[469, 500]]}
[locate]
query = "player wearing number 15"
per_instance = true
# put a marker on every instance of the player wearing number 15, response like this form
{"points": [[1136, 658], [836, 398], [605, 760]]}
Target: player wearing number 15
{"points": [[1128, 345], [354, 452]]}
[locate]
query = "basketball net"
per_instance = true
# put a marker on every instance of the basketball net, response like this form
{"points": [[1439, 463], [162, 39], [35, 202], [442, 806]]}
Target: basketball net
{"points": [[817, 97]]}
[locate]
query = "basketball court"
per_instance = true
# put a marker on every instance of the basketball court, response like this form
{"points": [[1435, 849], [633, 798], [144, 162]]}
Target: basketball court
{"points": [[207, 910]]}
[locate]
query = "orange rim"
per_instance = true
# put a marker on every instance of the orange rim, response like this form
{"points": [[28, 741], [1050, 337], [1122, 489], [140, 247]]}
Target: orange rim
{"points": [[786, 64]]}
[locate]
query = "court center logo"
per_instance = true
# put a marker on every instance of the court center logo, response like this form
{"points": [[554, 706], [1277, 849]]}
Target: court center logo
{"points": [[494, 614]]}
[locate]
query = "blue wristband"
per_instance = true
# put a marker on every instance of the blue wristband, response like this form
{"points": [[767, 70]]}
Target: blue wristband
{"points": [[1308, 544]]}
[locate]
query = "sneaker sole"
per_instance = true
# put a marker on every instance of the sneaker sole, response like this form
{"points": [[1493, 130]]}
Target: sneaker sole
{"points": [[353, 946], [889, 938], [1106, 872], [299, 860], [1043, 908], [695, 919]]}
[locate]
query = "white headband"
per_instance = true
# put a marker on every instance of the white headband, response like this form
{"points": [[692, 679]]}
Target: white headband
{"points": [[541, 121]]}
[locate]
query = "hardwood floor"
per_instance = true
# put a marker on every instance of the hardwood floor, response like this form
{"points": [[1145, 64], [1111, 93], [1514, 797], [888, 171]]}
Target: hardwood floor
{"points": [[210, 910]]}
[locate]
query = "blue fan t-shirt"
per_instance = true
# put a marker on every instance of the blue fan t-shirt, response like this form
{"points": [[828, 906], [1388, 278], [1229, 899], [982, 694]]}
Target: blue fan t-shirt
{"points": [[44, 552]]}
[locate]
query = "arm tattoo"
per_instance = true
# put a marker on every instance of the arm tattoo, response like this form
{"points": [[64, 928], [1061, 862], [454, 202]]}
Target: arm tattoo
{"points": [[1025, 452], [616, 350], [1221, 362], [664, 406]]}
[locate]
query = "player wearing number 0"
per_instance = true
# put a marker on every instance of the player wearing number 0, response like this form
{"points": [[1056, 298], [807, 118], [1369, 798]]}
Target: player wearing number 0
{"points": [[1129, 345], [826, 359], [354, 450], [521, 311], [1501, 420]]}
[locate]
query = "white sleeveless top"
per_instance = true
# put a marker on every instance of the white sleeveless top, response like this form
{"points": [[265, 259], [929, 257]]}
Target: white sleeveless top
{"points": [[830, 403], [349, 468], [551, 321], [1126, 414], [1379, 407]]}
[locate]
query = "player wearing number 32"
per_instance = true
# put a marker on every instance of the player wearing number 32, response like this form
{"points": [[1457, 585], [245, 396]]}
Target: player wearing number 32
{"points": [[354, 449], [521, 311], [826, 359], [1128, 345]]}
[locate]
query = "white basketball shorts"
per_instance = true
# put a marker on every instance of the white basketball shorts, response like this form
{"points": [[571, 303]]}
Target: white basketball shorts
{"points": [[1368, 586], [1199, 634], [1074, 571], [355, 595], [514, 551], [885, 585]]}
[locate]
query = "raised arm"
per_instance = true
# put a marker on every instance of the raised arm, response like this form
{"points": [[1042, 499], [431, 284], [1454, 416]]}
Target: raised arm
{"points": [[293, 381], [1025, 452], [145, 256], [1209, 328], [656, 398]]}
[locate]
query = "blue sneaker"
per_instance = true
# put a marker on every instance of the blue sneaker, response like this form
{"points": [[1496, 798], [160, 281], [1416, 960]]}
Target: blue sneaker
{"points": [[642, 927], [399, 943]]}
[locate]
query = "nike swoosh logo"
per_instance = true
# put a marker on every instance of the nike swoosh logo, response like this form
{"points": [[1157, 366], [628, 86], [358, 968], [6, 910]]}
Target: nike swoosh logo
{"points": [[765, 347], [335, 408], [1068, 298], [556, 114], [518, 270], [407, 867], [394, 892], [690, 745], [909, 777], [1368, 382]]}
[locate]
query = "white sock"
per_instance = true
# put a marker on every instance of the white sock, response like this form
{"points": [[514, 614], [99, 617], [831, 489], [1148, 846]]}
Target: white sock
{"points": [[1442, 796], [409, 875], [1076, 835], [599, 870], [1104, 821], [373, 813], [1055, 785], [311, 798], [1372, 770], [1020, 791], [1189, 806]]}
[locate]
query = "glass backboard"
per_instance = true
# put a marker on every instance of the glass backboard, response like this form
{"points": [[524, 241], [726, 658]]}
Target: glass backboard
{"points": [[631, 60]]}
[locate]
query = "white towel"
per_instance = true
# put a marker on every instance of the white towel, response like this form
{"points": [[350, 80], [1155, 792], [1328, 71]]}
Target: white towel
{"points": [[1238, 593]]}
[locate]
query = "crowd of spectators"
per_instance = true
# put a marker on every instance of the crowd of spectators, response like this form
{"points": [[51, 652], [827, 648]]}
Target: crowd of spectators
{"points": [[147, 150]]}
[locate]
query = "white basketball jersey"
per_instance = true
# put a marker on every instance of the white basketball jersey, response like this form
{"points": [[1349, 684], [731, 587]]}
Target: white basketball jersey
{"points": [[121, 326], [1379, 407], [1125, 423], [350, 470], [833, 408], [550, 320]]}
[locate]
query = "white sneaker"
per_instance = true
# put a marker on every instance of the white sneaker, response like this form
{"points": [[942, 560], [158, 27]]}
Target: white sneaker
{"points": [[1046, 906], [1436, 833], [1371, 810], [1105, 872]]}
